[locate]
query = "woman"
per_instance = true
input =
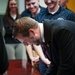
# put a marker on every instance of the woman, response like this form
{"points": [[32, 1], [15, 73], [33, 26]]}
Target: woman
{"points": [[15, 49]]}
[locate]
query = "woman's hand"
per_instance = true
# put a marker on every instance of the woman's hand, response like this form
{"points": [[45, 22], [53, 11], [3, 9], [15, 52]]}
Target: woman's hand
{"points": [[35, 59]]}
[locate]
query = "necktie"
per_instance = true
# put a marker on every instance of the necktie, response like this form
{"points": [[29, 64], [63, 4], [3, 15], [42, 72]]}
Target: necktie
{"points": [[44, 46]]}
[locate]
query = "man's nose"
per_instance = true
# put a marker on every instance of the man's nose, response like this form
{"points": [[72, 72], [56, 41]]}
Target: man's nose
{"points": [[31, 5]]}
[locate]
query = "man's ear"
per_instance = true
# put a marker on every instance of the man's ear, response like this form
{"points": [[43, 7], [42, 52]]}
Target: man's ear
{"points": [[31, 31]]}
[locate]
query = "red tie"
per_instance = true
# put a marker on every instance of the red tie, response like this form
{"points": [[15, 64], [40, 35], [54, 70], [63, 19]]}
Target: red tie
{"points": [[45, 49]]}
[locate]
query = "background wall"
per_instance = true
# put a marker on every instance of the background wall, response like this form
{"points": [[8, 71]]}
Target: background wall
{"points": [[21, 5], [42, 3], [3, 4], [71, 5]]}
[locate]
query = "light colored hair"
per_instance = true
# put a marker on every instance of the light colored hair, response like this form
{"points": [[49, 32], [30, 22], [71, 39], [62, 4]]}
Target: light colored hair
{"points": [[23, 25]]}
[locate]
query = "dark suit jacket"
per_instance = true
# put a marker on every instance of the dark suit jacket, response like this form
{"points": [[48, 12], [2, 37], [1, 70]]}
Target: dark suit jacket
{"points": [[3, 54], [60, 39]]}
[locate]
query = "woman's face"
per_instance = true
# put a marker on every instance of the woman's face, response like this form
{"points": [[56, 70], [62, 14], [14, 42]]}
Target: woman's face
{"points": [[12, 5], [33, 6]]}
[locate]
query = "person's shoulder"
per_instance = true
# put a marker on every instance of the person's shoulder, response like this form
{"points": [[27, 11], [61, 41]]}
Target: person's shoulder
{"points": [[26, 12], [69, 15], [63, 23], [66, 10], [43, 11], [41, 15]]}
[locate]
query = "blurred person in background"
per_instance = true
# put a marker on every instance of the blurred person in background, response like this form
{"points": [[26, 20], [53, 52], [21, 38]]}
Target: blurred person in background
{"points": [[15, 49], [32, 8], [54, 12], [63, 3]]}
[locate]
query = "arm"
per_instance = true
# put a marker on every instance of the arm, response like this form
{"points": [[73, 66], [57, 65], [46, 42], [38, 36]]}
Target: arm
{"points": [[39, 51], [30, 54]]}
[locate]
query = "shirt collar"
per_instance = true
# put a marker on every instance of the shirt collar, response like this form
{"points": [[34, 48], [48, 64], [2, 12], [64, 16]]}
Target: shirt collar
{"points": [[42, 31], [53, 12]]}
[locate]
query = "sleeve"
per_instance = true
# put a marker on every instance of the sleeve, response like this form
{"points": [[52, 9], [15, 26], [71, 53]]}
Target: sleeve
{"points": [[3, 56], [64, 42]]}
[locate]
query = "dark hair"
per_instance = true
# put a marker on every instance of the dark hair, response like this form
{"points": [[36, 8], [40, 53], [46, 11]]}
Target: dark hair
{"points": [[7, 14]]}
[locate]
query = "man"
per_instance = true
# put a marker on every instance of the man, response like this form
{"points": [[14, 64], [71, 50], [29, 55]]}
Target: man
{"points": [[54, 12], [32, 8], [59, 36]]}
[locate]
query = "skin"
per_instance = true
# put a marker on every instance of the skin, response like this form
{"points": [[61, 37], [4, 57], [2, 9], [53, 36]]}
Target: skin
{"points": [[13, 7]]}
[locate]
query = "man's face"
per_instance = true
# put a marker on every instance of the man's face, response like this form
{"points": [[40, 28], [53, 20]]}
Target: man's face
{"points": [[51, 4], [32, 39], [33, 6]]}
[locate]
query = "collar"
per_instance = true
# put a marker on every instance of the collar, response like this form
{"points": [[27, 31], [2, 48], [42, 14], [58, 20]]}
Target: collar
{"points": [[56, 12], [42, 31], [13, 16]]}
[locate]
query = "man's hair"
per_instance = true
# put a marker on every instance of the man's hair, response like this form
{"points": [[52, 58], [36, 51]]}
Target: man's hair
{"points": [[22, 26]]}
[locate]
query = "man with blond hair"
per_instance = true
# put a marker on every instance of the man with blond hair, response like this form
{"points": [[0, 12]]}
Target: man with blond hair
{"points": [[59, 36]]}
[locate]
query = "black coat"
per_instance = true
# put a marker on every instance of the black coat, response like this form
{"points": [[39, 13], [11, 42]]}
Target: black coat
{"points": [[3, 54], [9, 30], [60, 39]]}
